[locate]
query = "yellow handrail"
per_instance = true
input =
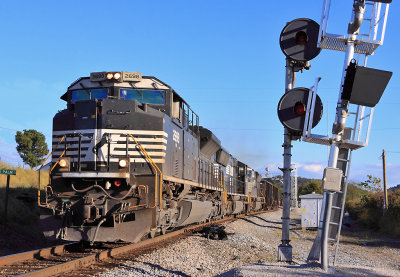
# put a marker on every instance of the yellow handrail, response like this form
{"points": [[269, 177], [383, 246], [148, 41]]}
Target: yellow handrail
{"points": [[224, 192], [155, 167], [66, 147], [40, 204], [145, 189], [249, 198]]}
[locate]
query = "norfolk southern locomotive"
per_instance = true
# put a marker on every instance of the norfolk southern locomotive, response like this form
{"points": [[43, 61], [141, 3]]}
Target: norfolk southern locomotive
{"points": [[130, 159]]}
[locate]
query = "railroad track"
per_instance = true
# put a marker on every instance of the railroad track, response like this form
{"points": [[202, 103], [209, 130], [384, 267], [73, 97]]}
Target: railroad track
{"points": [[61, 259]]}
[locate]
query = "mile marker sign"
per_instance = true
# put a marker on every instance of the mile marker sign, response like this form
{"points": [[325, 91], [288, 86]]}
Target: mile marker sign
{"points": [[8, 171]]}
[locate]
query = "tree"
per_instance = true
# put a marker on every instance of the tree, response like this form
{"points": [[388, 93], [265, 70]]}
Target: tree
{"points": [[313, 186], [355, 191], [31, 147], [373, 184]]}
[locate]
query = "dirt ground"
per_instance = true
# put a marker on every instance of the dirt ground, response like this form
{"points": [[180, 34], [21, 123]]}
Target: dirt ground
{"points": [[17, 238]]}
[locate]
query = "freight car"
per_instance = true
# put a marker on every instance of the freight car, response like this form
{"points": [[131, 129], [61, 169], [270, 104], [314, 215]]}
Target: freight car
{"points": [[130, 159]]}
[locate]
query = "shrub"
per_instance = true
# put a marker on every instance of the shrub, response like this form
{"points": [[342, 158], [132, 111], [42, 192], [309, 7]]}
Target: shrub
{"points": [[369, 211]]}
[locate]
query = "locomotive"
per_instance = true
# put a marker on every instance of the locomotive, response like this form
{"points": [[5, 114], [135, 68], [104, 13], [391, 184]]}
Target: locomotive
{"points": [[130, 160]]}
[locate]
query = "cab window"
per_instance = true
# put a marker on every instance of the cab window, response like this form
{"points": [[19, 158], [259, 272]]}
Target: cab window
{"points": [[143, 95], [88, 94]]}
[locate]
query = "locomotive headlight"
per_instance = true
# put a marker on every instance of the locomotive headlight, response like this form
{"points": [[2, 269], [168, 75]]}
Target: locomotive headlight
{"points": [[63, 163], [123, 163], [109, 76], [117, 75]]}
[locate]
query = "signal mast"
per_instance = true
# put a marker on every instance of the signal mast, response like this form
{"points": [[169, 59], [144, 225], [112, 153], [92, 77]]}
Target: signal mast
{"points": [[360, 88]]}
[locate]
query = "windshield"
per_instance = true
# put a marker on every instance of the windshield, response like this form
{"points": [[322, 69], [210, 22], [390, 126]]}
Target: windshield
{"points": [[143, 95], [88, 94]]}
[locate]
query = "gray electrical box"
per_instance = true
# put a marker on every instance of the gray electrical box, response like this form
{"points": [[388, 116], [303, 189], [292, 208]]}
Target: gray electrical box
{"points": [[332, 179], [311, 210]]}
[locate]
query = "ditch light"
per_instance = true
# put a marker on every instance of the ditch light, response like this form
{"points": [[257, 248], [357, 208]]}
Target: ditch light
{"points": [[363, 85]]}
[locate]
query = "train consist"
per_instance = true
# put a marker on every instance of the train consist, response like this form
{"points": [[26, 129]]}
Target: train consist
{"points": [[130, 159]]}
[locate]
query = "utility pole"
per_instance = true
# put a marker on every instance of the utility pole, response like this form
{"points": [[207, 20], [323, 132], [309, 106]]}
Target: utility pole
{"points": [[385, 196]]}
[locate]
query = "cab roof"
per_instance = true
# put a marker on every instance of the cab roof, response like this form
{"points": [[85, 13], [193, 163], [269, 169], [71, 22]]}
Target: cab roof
{"points": [[146, 82]]}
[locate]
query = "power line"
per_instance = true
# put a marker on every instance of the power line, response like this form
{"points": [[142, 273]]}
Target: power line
{"points": [[6, 128]]}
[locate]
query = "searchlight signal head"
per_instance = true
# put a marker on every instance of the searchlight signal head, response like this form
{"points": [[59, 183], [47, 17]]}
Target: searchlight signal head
{"points": [[292, 110], [298, 40]]}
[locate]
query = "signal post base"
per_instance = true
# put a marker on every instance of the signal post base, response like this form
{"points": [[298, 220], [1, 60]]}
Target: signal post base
{"points": [[285, 253]]}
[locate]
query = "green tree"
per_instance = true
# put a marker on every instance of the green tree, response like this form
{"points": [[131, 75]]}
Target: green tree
{"points": [[314, 185], [355, 191], [31, 147], [373, 184]]}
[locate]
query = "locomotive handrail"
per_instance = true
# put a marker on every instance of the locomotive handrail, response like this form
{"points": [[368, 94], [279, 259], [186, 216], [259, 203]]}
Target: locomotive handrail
{"points": [[66, 147], [222, 185], [40, 204], [155, 167]]}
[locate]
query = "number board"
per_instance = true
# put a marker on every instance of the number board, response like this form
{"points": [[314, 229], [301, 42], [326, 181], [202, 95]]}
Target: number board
{"points": [[98, 76], [8, 171], [131, 76]]}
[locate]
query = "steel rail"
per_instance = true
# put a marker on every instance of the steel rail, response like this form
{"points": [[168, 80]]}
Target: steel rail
{"points": [[110, 253], [39, 253]]}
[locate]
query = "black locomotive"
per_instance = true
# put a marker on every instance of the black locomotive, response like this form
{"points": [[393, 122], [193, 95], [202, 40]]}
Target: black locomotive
{"points": [[130, 159]]}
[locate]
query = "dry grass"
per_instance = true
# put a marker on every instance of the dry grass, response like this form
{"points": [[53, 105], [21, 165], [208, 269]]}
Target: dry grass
{"points": [[22, 196]]}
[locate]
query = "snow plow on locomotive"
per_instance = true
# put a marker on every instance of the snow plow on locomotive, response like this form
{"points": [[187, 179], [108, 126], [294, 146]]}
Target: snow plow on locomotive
{"points": [[130, 159]]}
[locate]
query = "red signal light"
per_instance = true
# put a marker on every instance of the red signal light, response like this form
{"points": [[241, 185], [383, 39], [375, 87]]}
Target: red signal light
{"points": [[301, 38], [299, 108], [117, 183]]}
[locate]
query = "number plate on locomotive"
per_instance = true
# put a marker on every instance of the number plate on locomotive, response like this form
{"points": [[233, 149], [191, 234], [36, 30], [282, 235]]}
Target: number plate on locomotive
{"points": [[131, 76]]}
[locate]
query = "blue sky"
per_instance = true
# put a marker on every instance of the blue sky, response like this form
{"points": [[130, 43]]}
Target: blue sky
{"points": [[223, 57]]}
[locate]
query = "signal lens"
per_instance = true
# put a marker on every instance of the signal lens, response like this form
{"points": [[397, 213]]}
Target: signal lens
{"points": [[110, 76], [299, 108], [301, 38], [117, 76], [62, 163], [117, 183]]}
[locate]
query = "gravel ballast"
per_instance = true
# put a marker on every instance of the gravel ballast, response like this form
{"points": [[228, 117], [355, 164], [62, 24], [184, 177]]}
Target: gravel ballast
{"points": [[251, 250]]}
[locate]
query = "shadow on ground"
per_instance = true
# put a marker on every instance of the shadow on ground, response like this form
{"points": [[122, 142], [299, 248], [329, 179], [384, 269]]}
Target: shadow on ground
{"points": [[302, 270]]}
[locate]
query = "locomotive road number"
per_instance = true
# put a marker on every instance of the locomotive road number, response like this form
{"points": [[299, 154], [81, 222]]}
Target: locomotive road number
{"points": [[132, 76], [175, 136]]}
